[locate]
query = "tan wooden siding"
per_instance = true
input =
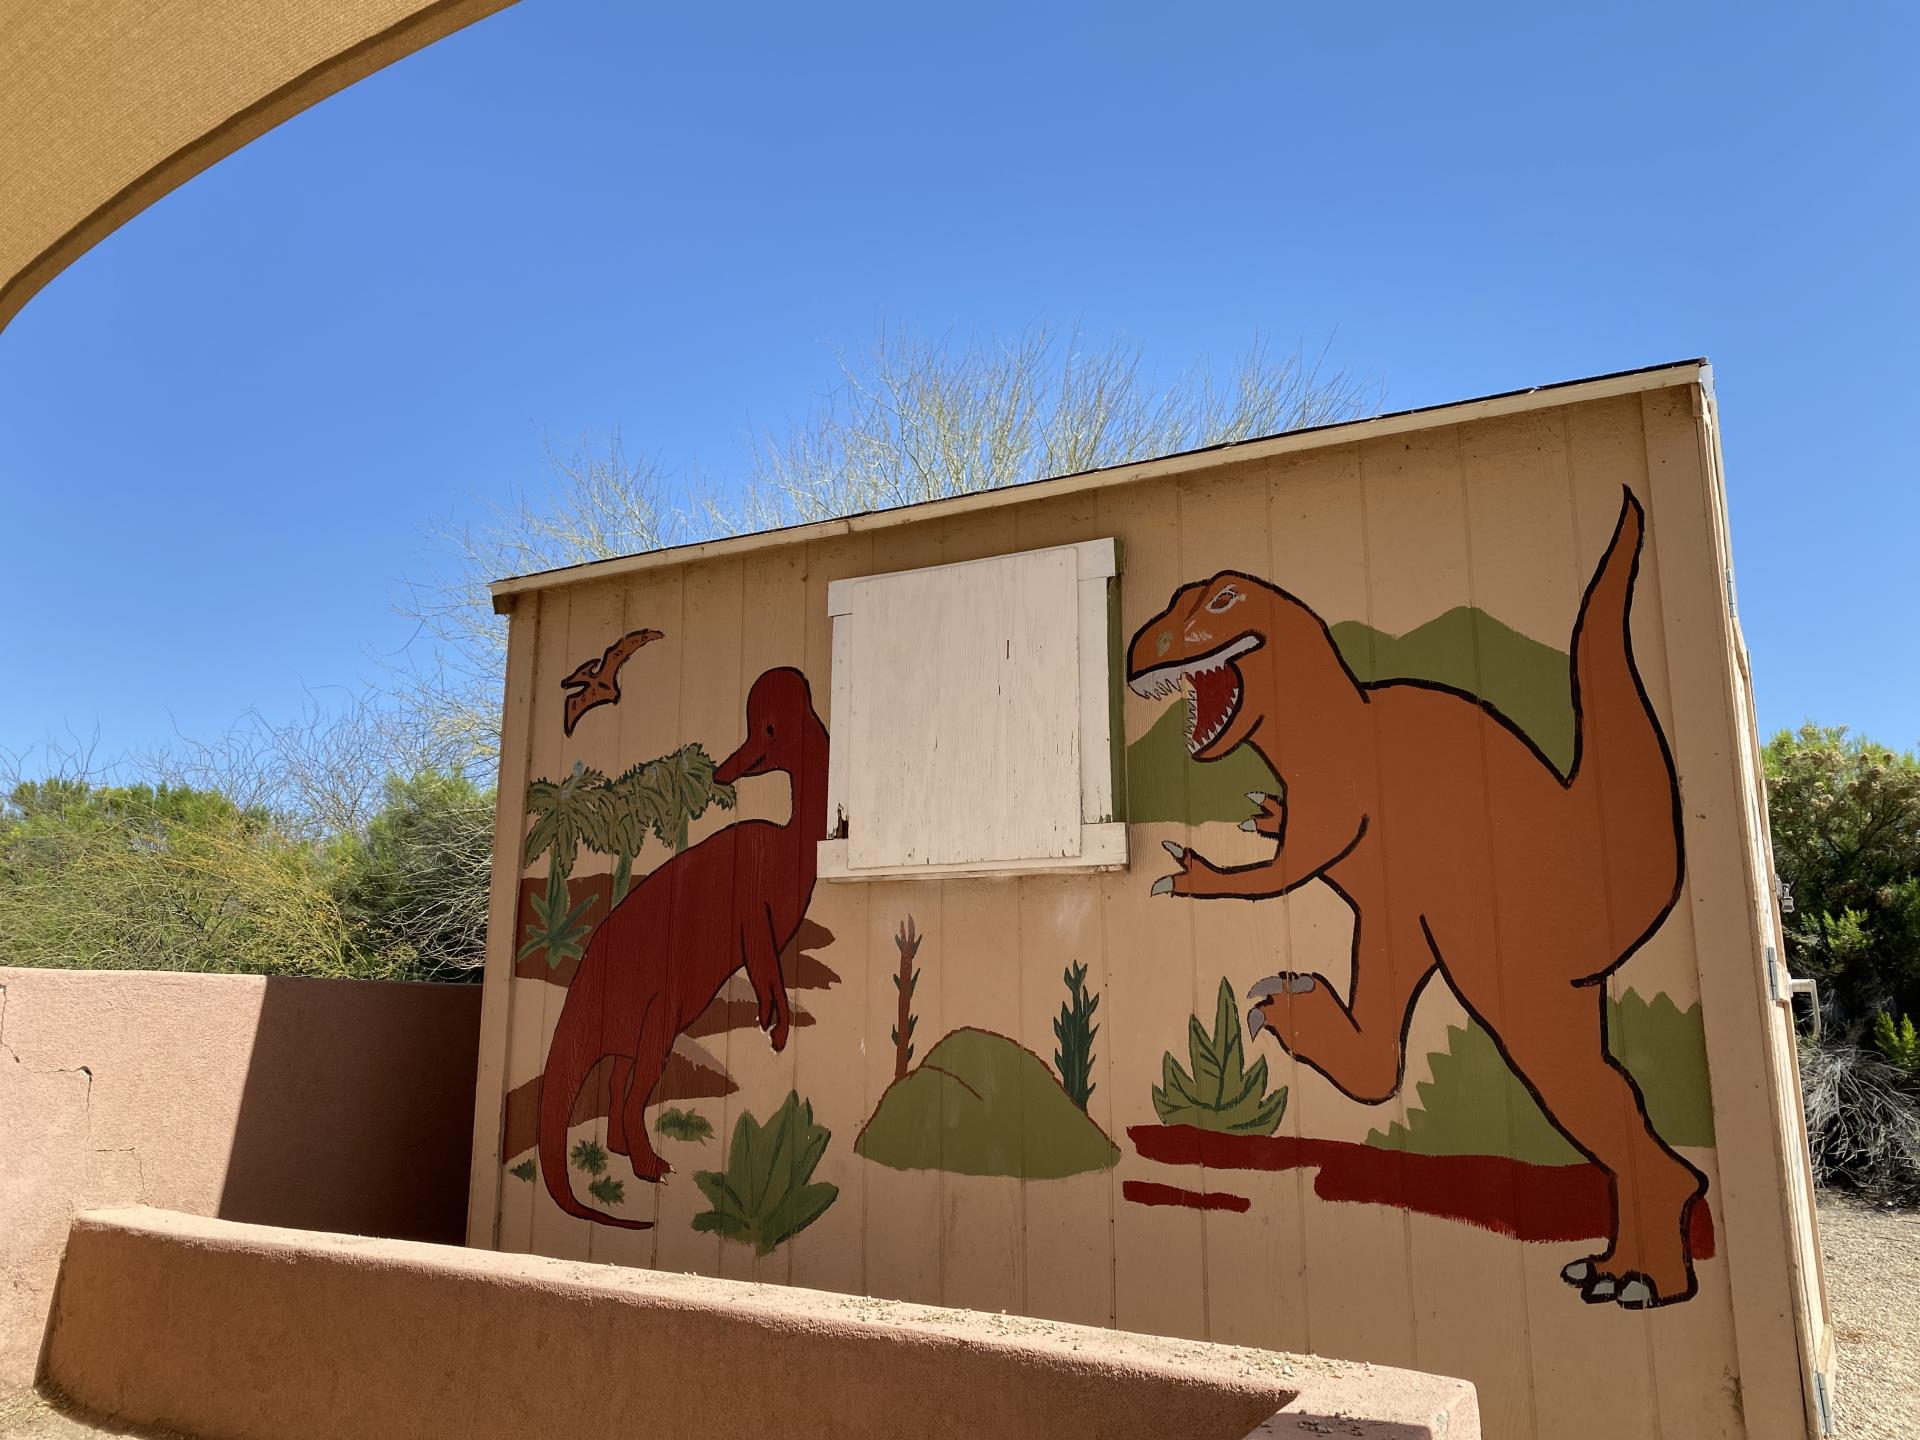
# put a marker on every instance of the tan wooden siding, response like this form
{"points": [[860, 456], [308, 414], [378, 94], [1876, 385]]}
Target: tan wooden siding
{"points": [[1463, 546]]}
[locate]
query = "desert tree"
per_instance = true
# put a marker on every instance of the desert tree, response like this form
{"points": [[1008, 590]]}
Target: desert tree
{"points": [[911, 419]]}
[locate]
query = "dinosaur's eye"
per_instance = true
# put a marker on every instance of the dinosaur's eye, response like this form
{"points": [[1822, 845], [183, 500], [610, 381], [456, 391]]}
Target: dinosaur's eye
{"points": [[1227, 597], [769, 729]]}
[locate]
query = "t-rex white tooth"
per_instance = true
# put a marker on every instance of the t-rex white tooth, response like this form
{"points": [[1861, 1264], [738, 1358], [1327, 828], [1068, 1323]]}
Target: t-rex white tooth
{"points": [[1256, 1021], [1162, 886], [1258, 797], [1248, 825], [1175, 849]]}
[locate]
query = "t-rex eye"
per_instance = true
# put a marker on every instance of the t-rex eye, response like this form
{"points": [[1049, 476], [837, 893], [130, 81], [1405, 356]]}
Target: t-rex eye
{"points": [[1228, 597]]}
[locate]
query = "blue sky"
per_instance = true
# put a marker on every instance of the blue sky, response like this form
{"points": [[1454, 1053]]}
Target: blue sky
{"points": [[226, 432]]}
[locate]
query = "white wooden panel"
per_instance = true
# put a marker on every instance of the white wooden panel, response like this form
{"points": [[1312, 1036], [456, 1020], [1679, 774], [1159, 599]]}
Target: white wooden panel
{"points": [[964, 741]]}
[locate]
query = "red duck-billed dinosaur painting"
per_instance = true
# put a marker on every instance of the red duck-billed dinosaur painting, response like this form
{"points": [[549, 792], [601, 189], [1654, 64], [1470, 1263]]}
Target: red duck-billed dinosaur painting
{"points": [[660, 957], [1461, 851]]}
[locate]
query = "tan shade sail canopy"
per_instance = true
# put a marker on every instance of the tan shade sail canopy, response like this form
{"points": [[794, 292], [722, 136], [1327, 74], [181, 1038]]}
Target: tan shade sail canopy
{"points": [[106, 105]]}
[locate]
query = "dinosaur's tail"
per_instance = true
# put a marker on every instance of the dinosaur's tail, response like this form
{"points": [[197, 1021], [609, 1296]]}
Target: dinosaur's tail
{"points": [[571, 1056], [1620, 755]]}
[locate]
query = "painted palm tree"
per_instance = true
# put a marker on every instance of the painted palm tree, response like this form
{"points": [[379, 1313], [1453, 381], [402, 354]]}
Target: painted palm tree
{"points": [[658, 797], [566, 814]]}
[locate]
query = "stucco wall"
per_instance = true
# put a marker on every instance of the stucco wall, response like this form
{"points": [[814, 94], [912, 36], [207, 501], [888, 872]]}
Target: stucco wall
{"points": [[328, 1104], [245, 1331]]}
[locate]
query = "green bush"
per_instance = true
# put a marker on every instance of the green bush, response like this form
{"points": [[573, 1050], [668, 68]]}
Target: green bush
{"points": [[1898, 1044], [766, 1194], [1220, 1093], [1845, 815]]}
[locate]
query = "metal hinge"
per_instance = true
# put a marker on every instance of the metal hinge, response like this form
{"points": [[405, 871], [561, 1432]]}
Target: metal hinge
{"points": [[1731, 609], [1822, 1403], [1774, 987]]}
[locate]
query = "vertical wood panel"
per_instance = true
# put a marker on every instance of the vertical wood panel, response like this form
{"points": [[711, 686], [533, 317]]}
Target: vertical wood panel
{"points": [[648, 725], [488, 1198], [1735, 1005], [1067, 1244], [850, 1038], [551, 757], [1159, 1253]]}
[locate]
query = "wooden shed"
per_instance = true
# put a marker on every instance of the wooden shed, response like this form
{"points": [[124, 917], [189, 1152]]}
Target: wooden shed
{"points": [[1310, 893]]}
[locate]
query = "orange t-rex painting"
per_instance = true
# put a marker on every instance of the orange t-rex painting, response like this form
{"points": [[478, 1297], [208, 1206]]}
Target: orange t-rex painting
{"points": [[1461, 851]]}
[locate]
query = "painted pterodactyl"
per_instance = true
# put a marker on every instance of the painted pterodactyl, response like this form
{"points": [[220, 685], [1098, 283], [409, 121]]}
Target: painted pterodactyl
{"points": [[597, 682]]}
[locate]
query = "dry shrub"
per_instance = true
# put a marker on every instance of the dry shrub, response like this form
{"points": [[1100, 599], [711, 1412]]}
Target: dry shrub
{"points": [[1863, 1122]]}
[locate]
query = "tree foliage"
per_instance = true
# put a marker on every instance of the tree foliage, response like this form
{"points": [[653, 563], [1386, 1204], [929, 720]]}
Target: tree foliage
{"points": [[911, 419], [354, 839], [1845, 814], [171, 877]]}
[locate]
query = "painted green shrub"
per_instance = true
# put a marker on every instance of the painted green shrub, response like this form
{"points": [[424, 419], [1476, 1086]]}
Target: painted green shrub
{"points": [[683, 1125], [1074, 1029], [608, 1191], [1220, 1092], [766, 1194], [523, 1171], [589, 1156], [1475, 1105]]}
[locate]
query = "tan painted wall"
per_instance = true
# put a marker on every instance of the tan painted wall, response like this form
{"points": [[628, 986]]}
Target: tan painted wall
{"points": [[332, 1104], [258, 1334], [1449, 1263]]}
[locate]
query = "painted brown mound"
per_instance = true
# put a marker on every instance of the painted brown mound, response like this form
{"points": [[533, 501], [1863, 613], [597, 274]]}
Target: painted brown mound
{"points": [[1539, 1203]]}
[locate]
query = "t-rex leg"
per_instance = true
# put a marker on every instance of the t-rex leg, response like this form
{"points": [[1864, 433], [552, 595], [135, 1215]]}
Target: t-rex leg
{"points": [[649, 1061], [1554, 1036], [1357, 1046]]}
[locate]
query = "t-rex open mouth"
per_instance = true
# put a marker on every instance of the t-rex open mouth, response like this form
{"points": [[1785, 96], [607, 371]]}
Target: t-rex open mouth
{"points": [[1212, 684]]}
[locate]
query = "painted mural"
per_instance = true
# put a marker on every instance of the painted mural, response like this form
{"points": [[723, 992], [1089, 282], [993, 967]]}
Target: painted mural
{"points": [[983, 1104], [1455, 786], [660, 958], [1397, 1050], [597, 682], [1464, 852]]}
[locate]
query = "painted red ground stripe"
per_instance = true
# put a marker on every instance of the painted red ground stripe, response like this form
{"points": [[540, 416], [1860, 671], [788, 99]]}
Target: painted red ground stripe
{"points": [[1540, 1203], [1152, 1192]]}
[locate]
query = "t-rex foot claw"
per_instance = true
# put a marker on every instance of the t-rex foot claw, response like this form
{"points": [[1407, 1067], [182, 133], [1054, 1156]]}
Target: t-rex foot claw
{"points": [[1287, 982], [1632, 1291]]}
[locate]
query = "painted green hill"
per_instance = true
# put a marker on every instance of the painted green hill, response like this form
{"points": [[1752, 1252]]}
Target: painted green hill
{"points": [[1466, 648], [1475, 1105], [979, 1104]]}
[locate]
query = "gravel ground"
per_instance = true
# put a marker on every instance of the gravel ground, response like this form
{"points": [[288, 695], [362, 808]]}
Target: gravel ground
{"points": [[30, 1416], [1873, 1287]]}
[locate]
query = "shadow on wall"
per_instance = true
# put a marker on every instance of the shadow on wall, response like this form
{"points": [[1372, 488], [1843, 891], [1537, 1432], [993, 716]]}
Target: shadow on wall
{"points": [[356, 1112]]}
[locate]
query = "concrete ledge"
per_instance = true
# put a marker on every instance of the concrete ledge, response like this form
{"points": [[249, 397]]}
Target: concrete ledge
{"points": [[243, 1332]]}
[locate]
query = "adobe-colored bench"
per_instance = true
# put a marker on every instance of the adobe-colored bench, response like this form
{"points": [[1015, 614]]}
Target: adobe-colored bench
{"points": [[244, 1332]]}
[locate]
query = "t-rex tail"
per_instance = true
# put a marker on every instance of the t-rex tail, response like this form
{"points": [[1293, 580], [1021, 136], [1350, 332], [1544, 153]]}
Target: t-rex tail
{"points": [[571, 1056], [1620, 756]]}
